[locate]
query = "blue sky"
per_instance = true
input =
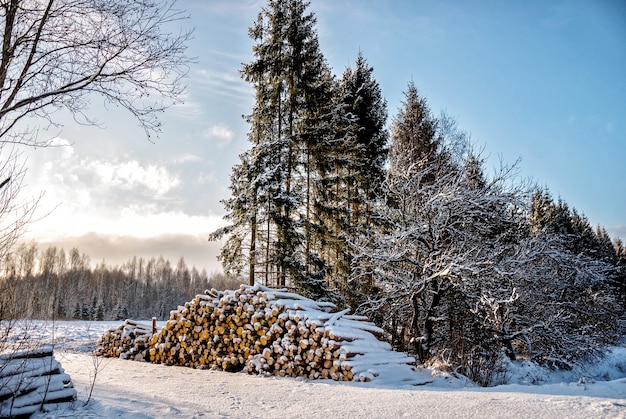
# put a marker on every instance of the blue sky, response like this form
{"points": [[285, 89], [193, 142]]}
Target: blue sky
{"points": [[544, 81]]}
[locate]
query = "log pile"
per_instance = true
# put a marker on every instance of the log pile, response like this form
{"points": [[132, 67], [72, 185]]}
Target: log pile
{"points": [[32, 380], [264, 331], [128, 341], [218, 330]]}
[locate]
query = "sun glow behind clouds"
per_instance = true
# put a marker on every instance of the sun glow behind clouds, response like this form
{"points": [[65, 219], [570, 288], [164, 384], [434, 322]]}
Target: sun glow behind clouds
{"points": [[126, 221], [117, 238], [112, 209], [120, 197]]}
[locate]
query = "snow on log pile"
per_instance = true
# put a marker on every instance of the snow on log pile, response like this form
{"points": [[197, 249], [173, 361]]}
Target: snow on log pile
{"points": [[265, 331], [30, 381], [128, 341]]}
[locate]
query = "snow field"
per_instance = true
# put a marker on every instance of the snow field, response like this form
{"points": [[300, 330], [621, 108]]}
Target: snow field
{"points": [[143, 390], [139, 390]]}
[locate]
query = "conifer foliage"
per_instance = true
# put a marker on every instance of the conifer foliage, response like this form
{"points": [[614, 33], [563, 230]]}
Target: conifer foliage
{"points": [[272, 199], [351, 170], [404, 225], [318, 149]]}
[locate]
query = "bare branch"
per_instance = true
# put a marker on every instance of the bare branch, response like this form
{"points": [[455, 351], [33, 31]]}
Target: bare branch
{"points": [[60, 54]]}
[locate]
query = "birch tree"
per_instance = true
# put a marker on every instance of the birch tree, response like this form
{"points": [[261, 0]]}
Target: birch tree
{"points": [[60, 55]]}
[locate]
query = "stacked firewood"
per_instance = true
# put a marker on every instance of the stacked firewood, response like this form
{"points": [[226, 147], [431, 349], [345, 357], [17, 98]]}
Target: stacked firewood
{"points": [[31, 381], [218, 330], [264, 331], [128, 341]]}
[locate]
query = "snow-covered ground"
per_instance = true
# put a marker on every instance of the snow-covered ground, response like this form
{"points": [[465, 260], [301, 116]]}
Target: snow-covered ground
{"points": [[131, 389]]}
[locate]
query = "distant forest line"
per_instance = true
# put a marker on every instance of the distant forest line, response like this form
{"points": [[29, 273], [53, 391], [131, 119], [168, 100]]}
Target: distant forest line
{"points": [[51, 283]]}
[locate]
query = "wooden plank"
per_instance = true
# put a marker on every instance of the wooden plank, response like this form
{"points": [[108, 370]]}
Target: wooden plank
{"points": [[28, 367], [38, 352]]}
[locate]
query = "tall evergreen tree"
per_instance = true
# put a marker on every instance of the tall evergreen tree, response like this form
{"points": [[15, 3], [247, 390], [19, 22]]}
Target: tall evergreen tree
{"points": [[270, 209], [366, 136], [415, 143], [351, 166]]}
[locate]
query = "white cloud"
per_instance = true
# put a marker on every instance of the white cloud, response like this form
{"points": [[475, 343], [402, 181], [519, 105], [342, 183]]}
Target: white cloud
{"points": [[219, 133], [64, 146], [63, 175], [188, 109], [132, 174], [186, 158], [226, 84], [106, 196], [59, 142], [207, 179]]}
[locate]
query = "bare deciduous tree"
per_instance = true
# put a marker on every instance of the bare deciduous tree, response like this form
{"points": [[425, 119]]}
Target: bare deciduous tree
{"points": [[15, 213], [56, 54], [462, 277]]}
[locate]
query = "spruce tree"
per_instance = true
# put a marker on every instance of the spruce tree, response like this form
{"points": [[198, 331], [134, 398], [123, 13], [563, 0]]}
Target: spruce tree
{"points": [[351, 169], [365, 136], [415, 144], [270, 207]]}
